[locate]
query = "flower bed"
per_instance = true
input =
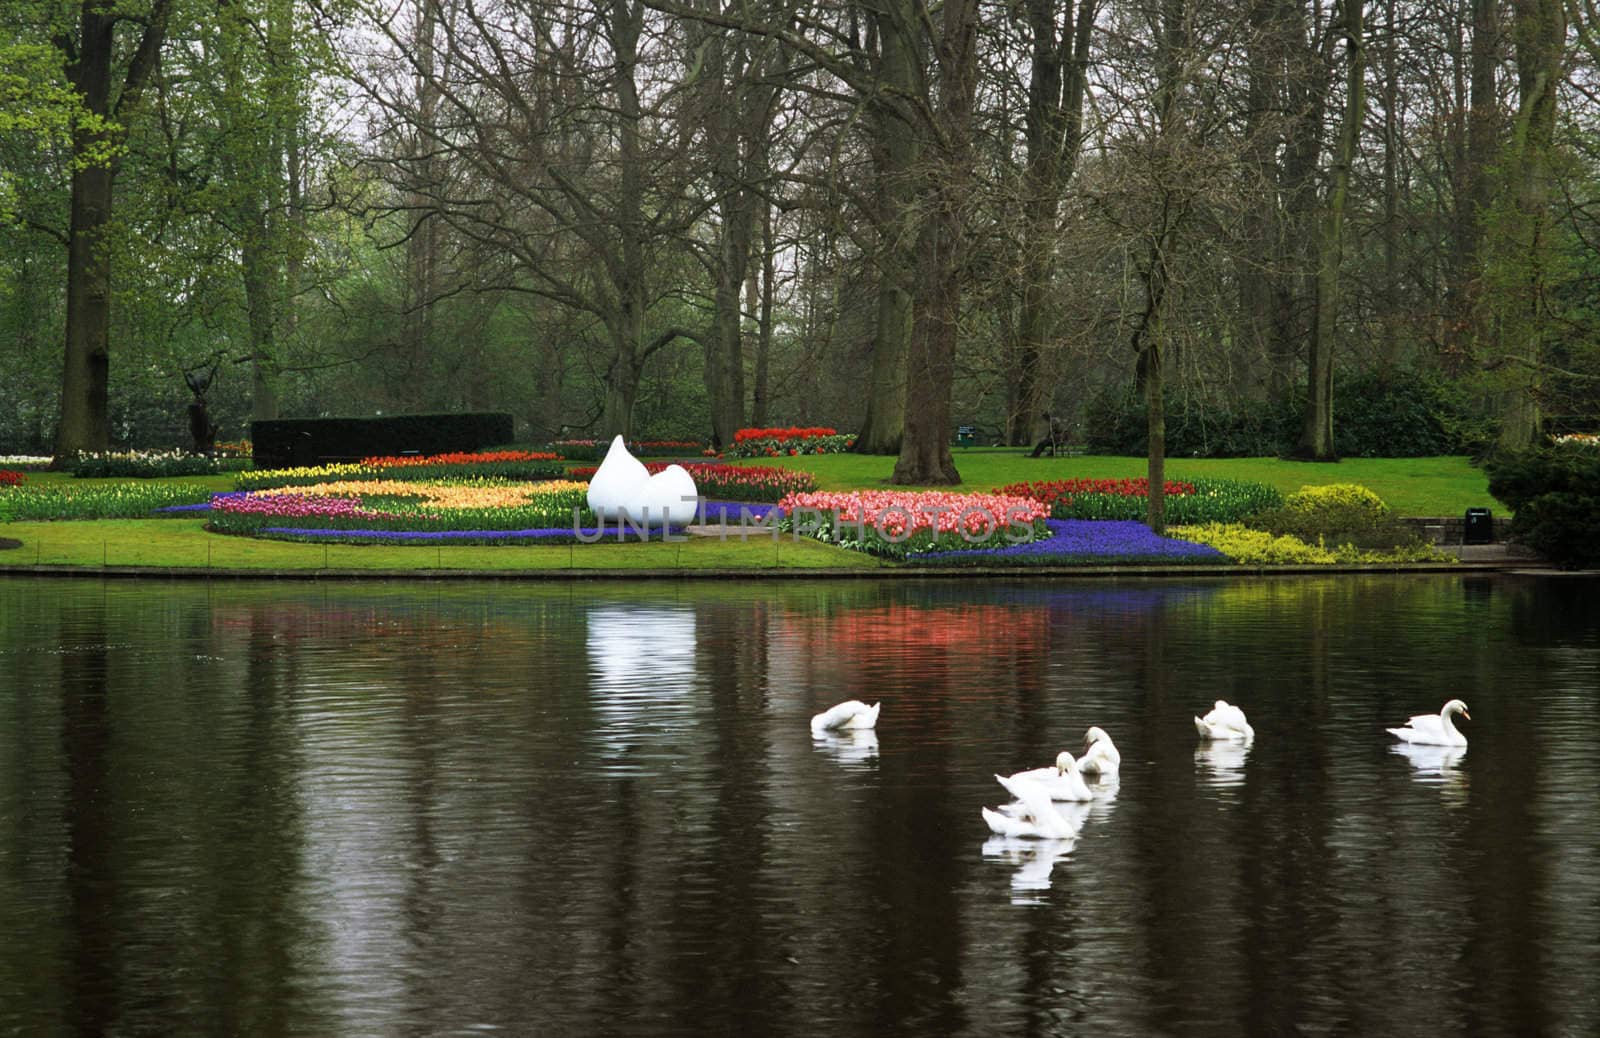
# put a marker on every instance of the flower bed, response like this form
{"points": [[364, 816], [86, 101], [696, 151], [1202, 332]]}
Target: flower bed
{"points": [[131, 500], [899, 524], [151, 464], [1591, 440], [11, 479], [1262, 548], [391, 506], [733, 482], [782, 443], [594, 450], [26, 462], [1197, 501], [502, 465], [1078, 542]]}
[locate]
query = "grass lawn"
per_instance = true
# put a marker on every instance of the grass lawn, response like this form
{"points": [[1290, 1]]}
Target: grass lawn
{"points": [[1411, 486], [178, 543]]}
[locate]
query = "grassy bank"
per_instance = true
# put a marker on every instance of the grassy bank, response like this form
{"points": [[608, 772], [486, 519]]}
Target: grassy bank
{"points": [[184, 543]]}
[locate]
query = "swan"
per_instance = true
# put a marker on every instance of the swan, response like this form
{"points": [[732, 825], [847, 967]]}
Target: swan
{"points": [[1062, 781], [1435, 729], [1100, 756], [852, 713], [1225, 721], [1039, 819]]}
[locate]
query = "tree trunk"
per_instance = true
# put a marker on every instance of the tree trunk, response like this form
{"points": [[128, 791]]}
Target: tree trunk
{"points": [[1316, 434], [1052, 127], [895, 157], [769, 273], [1538, 36], [85, 400], [930, 366]]}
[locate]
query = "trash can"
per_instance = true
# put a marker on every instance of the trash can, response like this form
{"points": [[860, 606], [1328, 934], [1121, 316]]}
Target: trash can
{"points": [[965, 436], [1479, 528]]}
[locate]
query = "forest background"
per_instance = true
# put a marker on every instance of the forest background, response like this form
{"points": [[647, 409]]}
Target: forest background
{"points": [[1219, 227]]}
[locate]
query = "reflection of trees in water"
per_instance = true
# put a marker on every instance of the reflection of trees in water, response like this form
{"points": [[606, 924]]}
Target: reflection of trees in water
{"points": [[403, 818]]}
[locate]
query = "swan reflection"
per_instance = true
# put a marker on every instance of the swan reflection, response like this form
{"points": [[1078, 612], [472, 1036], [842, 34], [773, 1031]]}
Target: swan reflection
{"points": [[1436, 765], [1034, 861], [641, 674], [851, 748], [1224, 761]]}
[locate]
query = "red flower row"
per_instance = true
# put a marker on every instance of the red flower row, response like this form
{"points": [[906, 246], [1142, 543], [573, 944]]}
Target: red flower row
{"points": [[11, 479], [791, 433], [459, 458], [1051, 492]]}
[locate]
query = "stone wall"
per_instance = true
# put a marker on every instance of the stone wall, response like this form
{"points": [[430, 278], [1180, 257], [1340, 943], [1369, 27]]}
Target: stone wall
{"points": [[1451, 529]]}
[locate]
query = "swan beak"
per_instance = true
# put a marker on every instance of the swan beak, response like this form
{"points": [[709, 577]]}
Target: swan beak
{"points": [[1466, 715]]}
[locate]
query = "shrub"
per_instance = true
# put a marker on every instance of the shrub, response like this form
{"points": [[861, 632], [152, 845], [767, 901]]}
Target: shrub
{"points": [[1115, 423], [1250, 547], [1338, 512], [291, 442], [1554, 496], [1394, 414]]}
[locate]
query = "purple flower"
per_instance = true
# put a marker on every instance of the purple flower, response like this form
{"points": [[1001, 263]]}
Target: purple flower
{"points": [[1085, 540], [560, 533]]}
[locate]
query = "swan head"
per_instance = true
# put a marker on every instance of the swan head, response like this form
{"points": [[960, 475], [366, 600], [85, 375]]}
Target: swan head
{"points": [[1094, 735], [1065, 762], [1456, 706], [1221, 704]]}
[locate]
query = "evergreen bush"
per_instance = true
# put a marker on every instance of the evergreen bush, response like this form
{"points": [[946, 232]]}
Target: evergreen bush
{"points": [[1554, 496]]}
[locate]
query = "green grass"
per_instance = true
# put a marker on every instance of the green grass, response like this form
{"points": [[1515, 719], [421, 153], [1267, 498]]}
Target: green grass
{"points": [[1411, 486], [184, 543]]}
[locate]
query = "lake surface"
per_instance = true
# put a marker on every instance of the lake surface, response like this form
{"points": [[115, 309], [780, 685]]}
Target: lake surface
{"points": [[370, 809]]}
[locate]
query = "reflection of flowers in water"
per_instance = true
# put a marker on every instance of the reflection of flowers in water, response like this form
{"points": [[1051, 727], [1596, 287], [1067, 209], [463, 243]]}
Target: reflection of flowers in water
{"points": [[1224, 760], [1034, 861], [850, 747]]}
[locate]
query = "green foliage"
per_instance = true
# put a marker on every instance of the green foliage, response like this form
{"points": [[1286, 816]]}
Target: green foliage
{"points": [[1554, 495], [1213, 501], [1115, 423], [130, 500], [1340, 513], [1250, 547], [1395, 414]]}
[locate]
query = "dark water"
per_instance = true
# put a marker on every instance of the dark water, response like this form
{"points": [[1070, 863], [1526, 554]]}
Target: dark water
{"points": [[369, 810]]}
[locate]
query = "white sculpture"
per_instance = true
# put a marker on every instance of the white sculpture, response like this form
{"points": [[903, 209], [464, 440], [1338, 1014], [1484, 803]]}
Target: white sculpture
{"points": [[623, 489]]}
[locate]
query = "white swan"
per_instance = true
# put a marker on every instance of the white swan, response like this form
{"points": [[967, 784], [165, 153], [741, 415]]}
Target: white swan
{"points": [[1435, 729], [1039, 818], [1061, 782], [1100, 756], [1225, 721], [852, 713]]}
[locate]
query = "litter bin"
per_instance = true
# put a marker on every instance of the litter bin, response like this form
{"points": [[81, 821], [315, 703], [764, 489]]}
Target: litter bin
{"points": [[965, 436], [1479, 528]]}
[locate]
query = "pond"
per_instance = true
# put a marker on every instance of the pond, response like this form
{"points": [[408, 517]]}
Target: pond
{"points": [[589, 808]]}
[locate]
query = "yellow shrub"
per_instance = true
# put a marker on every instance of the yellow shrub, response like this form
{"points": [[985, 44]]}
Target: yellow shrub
{"points": [[1260, 548]]}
